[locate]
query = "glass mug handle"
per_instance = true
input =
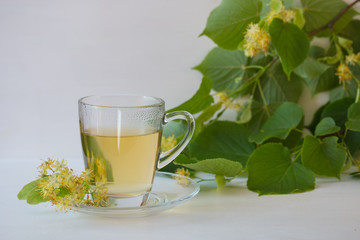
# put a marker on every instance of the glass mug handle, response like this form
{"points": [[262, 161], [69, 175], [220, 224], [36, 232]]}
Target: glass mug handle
{"points": [[168, 156]]}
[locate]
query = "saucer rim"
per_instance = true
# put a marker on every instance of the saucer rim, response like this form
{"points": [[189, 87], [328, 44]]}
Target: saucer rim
{"points": [[112, 211]]}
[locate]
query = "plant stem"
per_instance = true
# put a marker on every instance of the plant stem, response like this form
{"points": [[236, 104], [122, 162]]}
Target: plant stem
{"points": [[261, 91], [332, 22], [253, 67]]}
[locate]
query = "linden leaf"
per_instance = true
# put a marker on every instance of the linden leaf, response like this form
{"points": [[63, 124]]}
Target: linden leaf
{"points": [[299, 18], [217, 166], [318, 76], [324, 157], [206, 115], [24, 192], [277, 88], [347, 90], [176, 128], [222, 139], [223, 67], [34, 197], [317, 13], [354, 117], [259, 114], [352, 32], [326, 126], [280, 124], [276, 5], [290, 43], [271, 171], [201, 100], [352, 141], [338, 111], [227, 23]]}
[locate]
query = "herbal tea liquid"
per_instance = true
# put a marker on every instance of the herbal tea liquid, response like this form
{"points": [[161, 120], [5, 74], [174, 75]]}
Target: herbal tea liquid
{"points": [[125, 161]]}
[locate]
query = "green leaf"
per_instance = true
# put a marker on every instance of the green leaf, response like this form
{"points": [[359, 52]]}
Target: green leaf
{"points": [[24, 192], [222, 139], [201, 100], [176, 128], [326, 126], [299, 18], [223, 67], [290, 43], [206, 115], [276, 5], [244, 115], [221, 180], [277, 88], [318, 76], [311, 68], [90, 146], [325, 82], [351, 31], [316, 52], [227, 23], [338, 111], [352, 141], [259, 114], [34, 197], [344, 91], [316, 119], [354, 117], [279, 125], [218, 166], [324, 157], [317, 13], [266, 6], [271, 171]]}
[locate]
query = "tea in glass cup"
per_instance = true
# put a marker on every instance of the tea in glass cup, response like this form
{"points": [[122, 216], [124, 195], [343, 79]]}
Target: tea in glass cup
{"points": [[121, 139]]}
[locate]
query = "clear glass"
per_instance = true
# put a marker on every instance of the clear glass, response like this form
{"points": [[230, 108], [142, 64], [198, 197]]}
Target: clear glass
{"points": [[121, 140], [168, 191]]}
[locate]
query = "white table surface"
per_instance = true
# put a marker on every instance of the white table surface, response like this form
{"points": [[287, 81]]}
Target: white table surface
{"points": [[331, 211]]}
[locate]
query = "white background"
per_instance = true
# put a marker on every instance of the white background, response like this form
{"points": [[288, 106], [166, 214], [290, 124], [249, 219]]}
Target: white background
{"points": [[54, 52]]}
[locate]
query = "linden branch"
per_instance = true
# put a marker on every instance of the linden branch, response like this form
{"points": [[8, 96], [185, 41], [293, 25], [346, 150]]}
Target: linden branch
{"points": [[332, 22]]}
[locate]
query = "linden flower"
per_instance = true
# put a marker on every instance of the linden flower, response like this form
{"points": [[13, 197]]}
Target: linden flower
{"points": [[183, 172], [45, 166], [65, 189], [286, 15], [100, 174], [256, 40], [352, 59], [97, 167], [227, 102], [344, 73], [168, 143]]}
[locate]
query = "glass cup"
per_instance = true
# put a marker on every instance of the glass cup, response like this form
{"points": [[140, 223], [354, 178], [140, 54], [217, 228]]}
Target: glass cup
{"points": [[121, 140]]}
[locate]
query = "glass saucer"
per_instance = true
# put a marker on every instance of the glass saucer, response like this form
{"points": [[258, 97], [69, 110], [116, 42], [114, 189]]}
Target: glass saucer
{"points": [[168, 191]]}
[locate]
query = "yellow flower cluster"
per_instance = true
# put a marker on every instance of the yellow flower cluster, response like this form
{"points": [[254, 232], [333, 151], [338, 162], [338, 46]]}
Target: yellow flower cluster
{"points": [[286, 15], [98, 167], [344, 73], [353, 59], [256, 40], [63, 188], [228, 102], [183, 172], [168, 143]]}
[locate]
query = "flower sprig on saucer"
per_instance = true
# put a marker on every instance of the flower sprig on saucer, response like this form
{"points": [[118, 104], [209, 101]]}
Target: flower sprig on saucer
{"points": [[59, 185]]}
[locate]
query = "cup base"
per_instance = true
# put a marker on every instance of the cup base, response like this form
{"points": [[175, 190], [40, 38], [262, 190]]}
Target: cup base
{"points": [[137, 201]]}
